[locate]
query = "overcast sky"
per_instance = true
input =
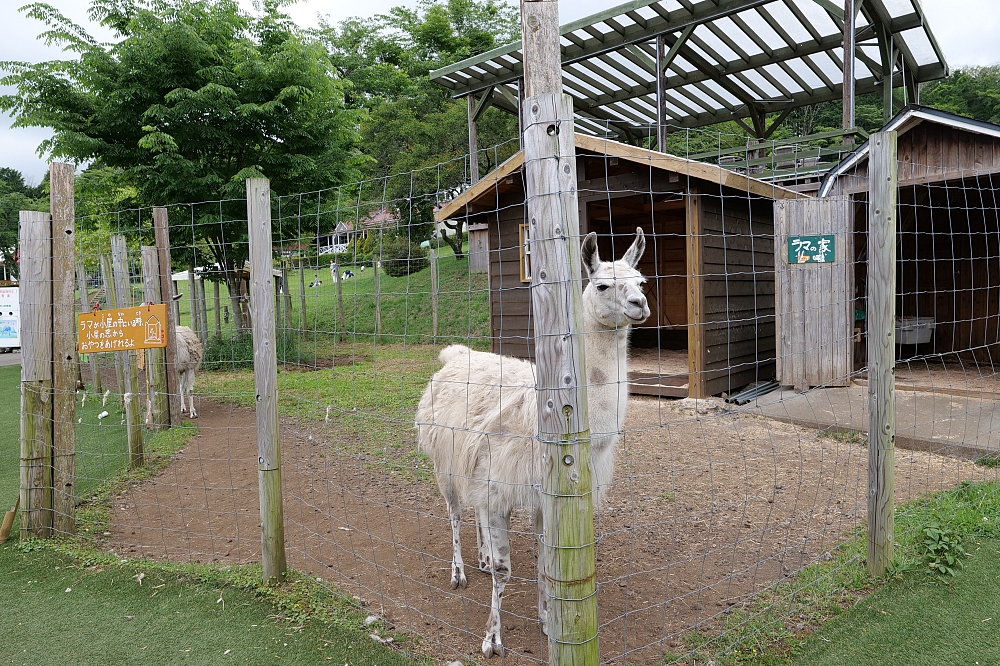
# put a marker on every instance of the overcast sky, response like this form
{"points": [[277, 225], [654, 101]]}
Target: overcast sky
{"points": [[968, 32]]}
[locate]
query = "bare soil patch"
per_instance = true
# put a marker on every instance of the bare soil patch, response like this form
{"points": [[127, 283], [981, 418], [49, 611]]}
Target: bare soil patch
{"points": [[704, 511]]}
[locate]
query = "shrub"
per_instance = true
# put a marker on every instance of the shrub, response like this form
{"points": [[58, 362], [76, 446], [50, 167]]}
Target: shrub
{"points": [[401, 257], [226, 353]]}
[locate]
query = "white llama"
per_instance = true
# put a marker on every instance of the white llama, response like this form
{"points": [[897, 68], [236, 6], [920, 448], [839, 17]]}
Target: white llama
{"points": [[188, 353], [478, 422], [188, 358]]}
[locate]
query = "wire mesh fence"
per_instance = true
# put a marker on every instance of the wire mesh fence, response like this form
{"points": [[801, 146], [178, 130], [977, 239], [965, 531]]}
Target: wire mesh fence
{"points": [[726, 375]]}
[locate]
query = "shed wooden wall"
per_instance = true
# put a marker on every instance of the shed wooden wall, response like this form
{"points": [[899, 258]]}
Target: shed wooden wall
{"points": [[510, 299], [931, 153], [737, 291]]}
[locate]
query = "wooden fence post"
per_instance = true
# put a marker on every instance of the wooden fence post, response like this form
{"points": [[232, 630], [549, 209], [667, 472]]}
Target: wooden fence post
{"points": [[434, 295], [302, 295], [85, 305], [217, 303], [35, 295], [378, 294], [64, 358], [881, 317], [265, 372], [162, 230], [130, 397], [340, 301], [203, 309], [287, 289], [112, 300], [567, 559], [156, 368], [194, 311]]}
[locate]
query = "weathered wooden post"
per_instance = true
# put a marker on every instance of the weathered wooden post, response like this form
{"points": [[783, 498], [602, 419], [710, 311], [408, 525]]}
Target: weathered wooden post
{"points": [[193, 303], [378, 297], [81, 279], [567, 557], [434, 294], [881, 317], [302, 294], [64, 359], [285, 287], [130, 397], [216, 303], [340, 300], [162, 230], [112, 301], [156, 360], [35, 294], [265, 373], [203, 309]]}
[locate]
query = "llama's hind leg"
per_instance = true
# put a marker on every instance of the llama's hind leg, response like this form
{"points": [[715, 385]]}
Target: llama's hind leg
{"points": [[180, 387], [458, 578], [543, 581], [484, 560], [497, 536], [189, 375]]}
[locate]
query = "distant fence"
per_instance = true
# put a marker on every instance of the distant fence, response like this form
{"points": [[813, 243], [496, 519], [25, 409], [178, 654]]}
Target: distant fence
{"points": [[752, 415]]}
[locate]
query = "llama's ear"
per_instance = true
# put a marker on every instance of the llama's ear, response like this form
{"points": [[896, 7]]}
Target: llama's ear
{"points": [[589, 254], [634, 253]]}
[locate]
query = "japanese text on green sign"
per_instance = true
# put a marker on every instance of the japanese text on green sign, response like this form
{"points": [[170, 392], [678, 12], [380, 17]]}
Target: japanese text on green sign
{"points": [[810, 249]]}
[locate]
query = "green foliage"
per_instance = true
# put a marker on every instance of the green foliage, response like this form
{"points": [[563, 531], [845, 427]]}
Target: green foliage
{"points": [[973, 92], [231, 352], [942, 550], [15, 196], [401, 257], [990, 460]]}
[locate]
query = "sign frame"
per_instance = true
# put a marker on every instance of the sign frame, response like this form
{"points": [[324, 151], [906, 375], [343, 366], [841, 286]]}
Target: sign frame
{"points": [[122, 329]]}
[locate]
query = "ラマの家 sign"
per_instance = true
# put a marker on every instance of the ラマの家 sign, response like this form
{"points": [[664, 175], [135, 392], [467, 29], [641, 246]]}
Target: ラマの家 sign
{"points": [[140, 327], [811, 249]]}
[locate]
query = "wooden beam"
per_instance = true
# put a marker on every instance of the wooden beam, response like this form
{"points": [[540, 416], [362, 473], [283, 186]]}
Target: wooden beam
{"points": [[473, 143], [64, 357], [158, 417], [882, 211], [695, 297], [162, 233], [567, 559], [265, 371], [850, 47]]}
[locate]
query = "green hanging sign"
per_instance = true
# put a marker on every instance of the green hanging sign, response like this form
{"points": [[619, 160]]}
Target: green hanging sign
{"points": [[811, 249]]}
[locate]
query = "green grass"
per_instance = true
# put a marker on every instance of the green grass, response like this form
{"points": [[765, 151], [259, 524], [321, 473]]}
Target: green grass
{"points": [[774, 629], [64, 601], [57, 608]]}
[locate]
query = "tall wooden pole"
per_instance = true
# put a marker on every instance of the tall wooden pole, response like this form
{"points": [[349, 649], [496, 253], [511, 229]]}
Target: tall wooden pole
{"points": [[156, 360], [217, 304], [130, 397], [881, 318], [112, 300], [265, 373], [340, 301], [378, 297], [85, 305], [64, 358], [473, 141], [35, 295], [287, 288], [194, 310], [434, 295], [849, 60], [661, 94], [302, 295], [567, 558], [162, 230]]}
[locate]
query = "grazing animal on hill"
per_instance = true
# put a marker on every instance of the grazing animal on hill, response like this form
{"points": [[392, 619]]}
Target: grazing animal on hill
{"points": [[483, 441]]}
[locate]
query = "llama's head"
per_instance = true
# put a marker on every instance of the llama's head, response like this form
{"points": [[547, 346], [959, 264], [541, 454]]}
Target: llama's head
{"points": [[614, 296]]}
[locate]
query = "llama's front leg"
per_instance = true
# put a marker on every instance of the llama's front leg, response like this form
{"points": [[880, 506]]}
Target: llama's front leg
{"points": [[497, 539], [190, 393], [458, 578], [543, 581], [180, 388]]}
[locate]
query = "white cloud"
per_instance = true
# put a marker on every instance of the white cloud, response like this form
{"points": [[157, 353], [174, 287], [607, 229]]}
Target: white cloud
{"points": [[966, 31]]}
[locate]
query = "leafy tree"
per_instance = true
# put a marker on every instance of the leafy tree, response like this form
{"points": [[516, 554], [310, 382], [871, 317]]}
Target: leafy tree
{"points": [[15, 196], [192, 98], [973, 92], [414, 133]]}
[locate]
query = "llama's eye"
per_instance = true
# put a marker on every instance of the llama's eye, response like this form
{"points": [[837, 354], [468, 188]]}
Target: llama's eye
{"points": [[602, 287]]}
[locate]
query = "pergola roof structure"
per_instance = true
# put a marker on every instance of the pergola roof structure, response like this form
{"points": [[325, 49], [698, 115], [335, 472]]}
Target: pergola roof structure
{"points": [[722, 60]]}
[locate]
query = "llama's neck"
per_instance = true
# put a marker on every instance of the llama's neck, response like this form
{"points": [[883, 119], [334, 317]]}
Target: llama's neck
{"points": [[607, 379]]}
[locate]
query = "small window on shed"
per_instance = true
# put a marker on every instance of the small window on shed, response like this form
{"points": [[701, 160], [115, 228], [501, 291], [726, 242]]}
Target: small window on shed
{"points": [[525, 253]]}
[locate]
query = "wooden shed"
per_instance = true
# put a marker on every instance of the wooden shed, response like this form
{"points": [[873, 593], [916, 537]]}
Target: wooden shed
{"points": [[948, 234], [709, 261]]}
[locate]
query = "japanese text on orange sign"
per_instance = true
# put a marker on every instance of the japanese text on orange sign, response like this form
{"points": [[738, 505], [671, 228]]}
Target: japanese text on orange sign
{"points": [[140, 327]]}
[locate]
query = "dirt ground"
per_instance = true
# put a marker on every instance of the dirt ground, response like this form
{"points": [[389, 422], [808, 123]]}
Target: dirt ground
{"points": [[658, 361], [704, 511], [949, 372]]}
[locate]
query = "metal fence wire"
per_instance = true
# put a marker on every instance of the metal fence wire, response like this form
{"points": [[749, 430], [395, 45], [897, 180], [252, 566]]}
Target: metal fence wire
{"points": [[725, 325]]}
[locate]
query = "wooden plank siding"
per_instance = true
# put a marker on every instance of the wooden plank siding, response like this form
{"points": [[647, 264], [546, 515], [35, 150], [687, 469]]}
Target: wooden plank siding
{"points": [[737, 291], [510, 299], [931, 153]]}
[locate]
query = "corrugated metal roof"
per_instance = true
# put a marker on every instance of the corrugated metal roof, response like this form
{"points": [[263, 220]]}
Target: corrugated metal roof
{"points": [[735, 59]]}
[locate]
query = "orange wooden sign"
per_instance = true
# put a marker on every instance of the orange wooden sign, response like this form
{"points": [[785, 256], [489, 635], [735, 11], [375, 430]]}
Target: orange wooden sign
{"points": [[140, 327]]}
